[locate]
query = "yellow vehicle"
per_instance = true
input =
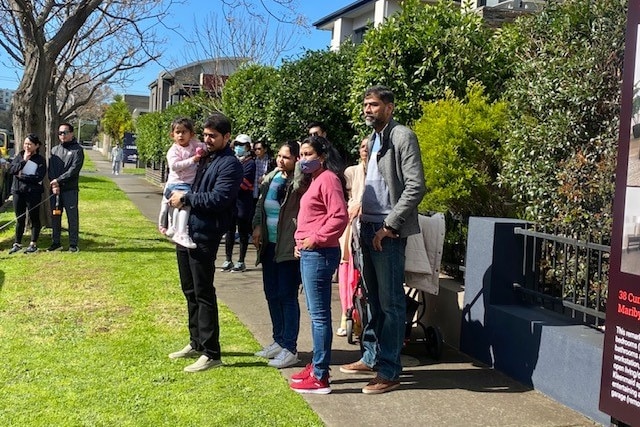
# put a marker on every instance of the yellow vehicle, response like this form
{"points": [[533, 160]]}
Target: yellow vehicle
{"points": [[6, 144], [6, 151]]}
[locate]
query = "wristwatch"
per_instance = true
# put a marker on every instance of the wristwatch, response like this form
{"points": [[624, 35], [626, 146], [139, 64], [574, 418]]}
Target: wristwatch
{"points": [[391, 229]]}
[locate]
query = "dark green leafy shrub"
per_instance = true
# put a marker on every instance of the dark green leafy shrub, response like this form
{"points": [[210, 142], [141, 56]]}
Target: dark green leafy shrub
{"points": [[314, 87], [561, 144], [247, 97], [423, 51]]}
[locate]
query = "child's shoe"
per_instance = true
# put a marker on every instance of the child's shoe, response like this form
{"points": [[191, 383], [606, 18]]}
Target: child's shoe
{"points": [[170, 231], [183, 239]]}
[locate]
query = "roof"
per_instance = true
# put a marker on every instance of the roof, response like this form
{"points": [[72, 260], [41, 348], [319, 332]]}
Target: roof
{"points": [[349, 8]]}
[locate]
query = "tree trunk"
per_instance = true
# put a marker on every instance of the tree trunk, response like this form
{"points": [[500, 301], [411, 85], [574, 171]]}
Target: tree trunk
{"points": [[30, 102]]}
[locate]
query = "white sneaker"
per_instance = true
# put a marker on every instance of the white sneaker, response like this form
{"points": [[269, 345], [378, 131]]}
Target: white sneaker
{"points": [[284, 359], [188, 351], [170, 231], [183, 239], [272, 350], [202, 364]]}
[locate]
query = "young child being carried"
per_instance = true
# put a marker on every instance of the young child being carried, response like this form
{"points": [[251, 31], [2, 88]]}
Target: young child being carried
{"points": [[182, 157]]}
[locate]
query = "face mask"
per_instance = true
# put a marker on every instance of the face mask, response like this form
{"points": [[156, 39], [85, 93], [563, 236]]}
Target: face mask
{"points": [[310, 166], [239, 150]]}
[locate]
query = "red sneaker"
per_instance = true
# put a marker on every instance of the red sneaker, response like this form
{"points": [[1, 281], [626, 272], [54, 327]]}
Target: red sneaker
{"points": [[302, 375], [313, 385]]}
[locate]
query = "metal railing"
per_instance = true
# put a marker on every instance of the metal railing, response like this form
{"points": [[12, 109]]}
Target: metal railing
{"points": [[565, 274]]}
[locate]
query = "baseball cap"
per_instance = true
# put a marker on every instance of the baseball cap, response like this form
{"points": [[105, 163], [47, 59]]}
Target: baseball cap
{"points": [[243, 138]]}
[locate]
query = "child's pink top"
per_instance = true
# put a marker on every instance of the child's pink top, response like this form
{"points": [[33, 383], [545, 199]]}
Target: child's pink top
{"points": [[323, 211], [182, 167]]}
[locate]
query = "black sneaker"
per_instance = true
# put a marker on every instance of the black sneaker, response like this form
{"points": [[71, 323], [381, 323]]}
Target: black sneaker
{"points": [[54, 247], [32, 249], [74, 249], [15, 248]]}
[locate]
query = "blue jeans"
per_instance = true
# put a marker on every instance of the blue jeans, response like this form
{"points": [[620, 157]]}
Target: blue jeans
{"points": [[383, 273], [317, 267], [281, 282]]}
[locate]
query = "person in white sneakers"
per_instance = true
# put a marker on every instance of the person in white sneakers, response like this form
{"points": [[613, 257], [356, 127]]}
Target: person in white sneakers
{"points": [[274, 225], [212, 201], [182, 158]]}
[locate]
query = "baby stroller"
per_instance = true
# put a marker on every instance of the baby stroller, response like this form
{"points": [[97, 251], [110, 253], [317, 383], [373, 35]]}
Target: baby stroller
{"points": [[357, 315]]}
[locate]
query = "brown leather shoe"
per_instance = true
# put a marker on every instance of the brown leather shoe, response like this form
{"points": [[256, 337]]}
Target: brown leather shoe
{"points": [[380, 385], [356, 368]]}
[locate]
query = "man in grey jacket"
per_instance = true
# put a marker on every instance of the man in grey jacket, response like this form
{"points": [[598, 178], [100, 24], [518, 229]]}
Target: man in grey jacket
{"points": [[394, 186], [64, 173]]}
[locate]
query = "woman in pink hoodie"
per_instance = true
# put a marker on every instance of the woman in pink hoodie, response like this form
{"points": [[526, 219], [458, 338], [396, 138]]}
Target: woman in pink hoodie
{"points": [[321, 220]]}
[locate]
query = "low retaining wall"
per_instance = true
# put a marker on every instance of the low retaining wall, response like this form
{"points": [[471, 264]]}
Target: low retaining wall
{"points": [[542, 349]]}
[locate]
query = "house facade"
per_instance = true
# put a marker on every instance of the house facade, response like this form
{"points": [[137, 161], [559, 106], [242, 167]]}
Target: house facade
{"points": [[172, 86], [352, 21]]}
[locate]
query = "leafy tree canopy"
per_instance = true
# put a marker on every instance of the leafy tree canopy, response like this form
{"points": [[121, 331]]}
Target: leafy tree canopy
{"points": [[246, 98], [314, 87], [421, 52], [564, 98], [117, 119]]}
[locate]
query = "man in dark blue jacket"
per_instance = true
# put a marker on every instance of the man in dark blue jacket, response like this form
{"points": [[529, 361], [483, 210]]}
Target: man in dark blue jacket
{"points": [[212, 200]]}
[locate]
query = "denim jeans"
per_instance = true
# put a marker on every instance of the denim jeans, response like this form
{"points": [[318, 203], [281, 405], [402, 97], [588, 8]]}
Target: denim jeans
{"points": [[383, 273], [281, 282], [317, 267]]}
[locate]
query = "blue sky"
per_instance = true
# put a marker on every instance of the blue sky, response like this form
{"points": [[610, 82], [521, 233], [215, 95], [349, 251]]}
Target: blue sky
{"points": [[314, 39]]}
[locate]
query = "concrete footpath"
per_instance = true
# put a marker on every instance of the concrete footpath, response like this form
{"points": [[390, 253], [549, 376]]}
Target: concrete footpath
{"points": [[454, 391]]}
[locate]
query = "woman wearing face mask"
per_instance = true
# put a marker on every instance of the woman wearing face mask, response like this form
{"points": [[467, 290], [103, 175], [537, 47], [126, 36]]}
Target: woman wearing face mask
{"points": [[244, 206], [321, 220]]}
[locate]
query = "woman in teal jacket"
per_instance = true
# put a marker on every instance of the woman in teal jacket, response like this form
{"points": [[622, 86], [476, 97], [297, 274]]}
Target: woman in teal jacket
{"points": [[274, 224]]}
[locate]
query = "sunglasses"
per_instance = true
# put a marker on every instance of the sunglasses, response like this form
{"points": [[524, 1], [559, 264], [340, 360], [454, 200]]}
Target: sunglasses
{"points": [[64, 132]]}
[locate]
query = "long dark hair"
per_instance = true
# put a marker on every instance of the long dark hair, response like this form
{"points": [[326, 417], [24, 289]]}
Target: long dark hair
{"points": [[332, 159], [294, 150]]}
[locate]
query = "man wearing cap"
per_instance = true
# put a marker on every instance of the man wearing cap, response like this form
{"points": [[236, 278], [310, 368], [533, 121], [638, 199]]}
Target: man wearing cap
{"points": [[243, 214]]}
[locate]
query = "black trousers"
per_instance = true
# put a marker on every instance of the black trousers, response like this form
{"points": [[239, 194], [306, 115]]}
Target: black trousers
{"points": [[244, 231], [23, 202], [68, 202], [196, 268]]}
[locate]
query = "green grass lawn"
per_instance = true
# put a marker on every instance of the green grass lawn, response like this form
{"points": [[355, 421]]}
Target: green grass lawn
{"points": [[84, 337], [129, 170]]}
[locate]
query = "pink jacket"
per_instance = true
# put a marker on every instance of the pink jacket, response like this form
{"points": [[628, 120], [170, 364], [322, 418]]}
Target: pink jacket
{"points": [[323, 211], [182, 167]]}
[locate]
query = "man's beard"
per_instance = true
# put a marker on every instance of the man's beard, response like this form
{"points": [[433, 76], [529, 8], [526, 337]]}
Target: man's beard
{"points": [[370, 121]]}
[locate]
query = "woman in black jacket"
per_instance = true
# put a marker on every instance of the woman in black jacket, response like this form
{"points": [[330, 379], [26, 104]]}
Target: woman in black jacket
{"points": [[28, 169]]}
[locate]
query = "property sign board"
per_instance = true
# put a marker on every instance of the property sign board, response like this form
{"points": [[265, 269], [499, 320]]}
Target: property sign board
{"points": [[129, 149], [620, 383]]}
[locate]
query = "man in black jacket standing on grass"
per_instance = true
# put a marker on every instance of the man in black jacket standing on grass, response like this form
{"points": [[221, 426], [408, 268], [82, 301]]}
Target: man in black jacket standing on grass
{"points": [[212, 200], [64, 172]]}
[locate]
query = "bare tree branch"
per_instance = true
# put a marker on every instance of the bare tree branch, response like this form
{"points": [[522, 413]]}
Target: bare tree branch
{"points": [[241, 31]]}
